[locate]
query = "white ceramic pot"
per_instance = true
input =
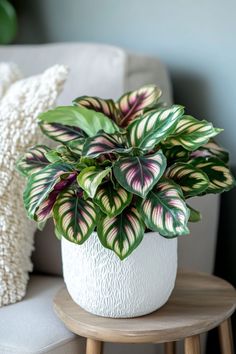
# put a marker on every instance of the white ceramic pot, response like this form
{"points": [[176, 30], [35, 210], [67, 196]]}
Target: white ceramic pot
{"points": [[102, 284]]}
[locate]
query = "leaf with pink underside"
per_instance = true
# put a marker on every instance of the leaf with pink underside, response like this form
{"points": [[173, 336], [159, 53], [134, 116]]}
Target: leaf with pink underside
{"points": [[121, 233], [41, 184], [75, 217], [132, 104], [44, 210], [164, 210], [104, 144], [105, 106], [60, 132], [139, 174], [33, 160]]}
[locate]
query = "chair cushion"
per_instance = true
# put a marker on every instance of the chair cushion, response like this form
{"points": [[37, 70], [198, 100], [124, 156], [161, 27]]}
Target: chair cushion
{"points": [[31, 327]]}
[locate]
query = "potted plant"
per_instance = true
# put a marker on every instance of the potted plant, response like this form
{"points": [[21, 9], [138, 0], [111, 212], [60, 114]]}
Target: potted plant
{"points": [[117, 187]]}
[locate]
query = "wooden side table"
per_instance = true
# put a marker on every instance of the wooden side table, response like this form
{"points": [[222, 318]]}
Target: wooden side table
{"points": [[199, 303]]}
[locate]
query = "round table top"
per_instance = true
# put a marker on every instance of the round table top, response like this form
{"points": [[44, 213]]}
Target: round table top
{"points": [[198, 303]]}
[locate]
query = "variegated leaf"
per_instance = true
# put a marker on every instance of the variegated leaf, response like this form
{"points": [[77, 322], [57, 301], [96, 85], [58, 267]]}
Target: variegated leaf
{"points": [[132, 104], [44, 211], [60, 132], [121, 233], [219, 175], [153, 127], [175, 153], [164, 210], [104, 144], [64, 154], [110, 200], [105, 106], [191, 133], [195, 215], [76, 146], [138, 174], [89, 121], [34, 160], [193, 181], [75, 217], [90, 178], [41, 184], [211, 149]]}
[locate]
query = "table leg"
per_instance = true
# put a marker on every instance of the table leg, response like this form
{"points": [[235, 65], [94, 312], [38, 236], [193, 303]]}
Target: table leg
{"points": [[192, 345], [93, 346], [226, 338], [169, 348]]}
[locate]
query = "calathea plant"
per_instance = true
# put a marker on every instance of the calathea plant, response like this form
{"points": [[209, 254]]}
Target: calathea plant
{"points": [[121, 168]]}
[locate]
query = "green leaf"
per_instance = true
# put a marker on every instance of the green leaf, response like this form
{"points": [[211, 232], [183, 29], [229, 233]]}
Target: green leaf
{"points": [[165, 211], [175, 153], [62, 154], [74, 217], [110, 200], [132, 104], [104, 144], [211, 149], [195, 215], [90, 178], [191, 133], [76, 146], [153, 127], [60, 132], [8, 22], [107, 107], [89, 121], [41, 184], [33, 160], [139, 174], [220, 177], [121, 233], [58, 235], [193, 181]]}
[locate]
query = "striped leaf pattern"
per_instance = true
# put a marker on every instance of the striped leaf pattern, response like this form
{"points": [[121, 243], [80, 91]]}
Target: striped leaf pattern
{"points": [[192, 180], [121, 233], [104, 144], [139, 174], [132, 104], [41, 184], [191, 133], [75, 217], [175, 153], [62, 153], [76, 146], [60, 132], [153, 127], [90, 178], [220, 176], [105, 106], [165, 211], [211, 149], [33, 160], [44, 211], [110, 200]]}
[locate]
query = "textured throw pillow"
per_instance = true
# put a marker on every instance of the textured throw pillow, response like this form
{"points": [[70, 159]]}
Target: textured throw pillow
{"points": [[9, 73], [20, 104]]}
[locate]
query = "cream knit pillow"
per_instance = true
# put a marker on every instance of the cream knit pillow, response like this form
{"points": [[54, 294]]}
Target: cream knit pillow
{"points": [[9, 73], [22, 102]]}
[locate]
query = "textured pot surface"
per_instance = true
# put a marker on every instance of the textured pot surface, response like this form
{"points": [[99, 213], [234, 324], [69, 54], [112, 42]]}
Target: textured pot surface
{"points": [[102, 284]]}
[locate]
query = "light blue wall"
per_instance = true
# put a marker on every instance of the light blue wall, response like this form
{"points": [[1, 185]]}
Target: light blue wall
{"points": [[196, 39]]}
